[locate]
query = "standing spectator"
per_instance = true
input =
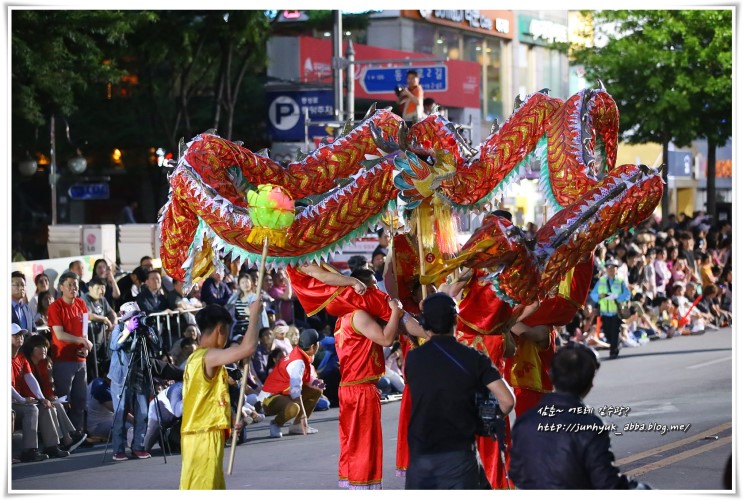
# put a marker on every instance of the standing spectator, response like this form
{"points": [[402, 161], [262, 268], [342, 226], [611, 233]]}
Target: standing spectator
{"points": [[20, 313], [102, 320], [442, 373], [565, 460], [357, 262], [283, 296], [428, 106], [377, 263], [708, 278], [239, 306], [215, 291], [686, 251], [42, 285], [178, 302], [411, 98], [126, 216], [610, 291], [76, 266], [384, 240], [135, 391], [130, 285], [45, 299], [102, 270], [67, 317], [265, 296], [647, 276]]}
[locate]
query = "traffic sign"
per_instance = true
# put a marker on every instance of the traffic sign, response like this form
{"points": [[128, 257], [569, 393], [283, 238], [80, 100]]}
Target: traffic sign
{"points": [[89, 191], [287, 108], [384, 80]]}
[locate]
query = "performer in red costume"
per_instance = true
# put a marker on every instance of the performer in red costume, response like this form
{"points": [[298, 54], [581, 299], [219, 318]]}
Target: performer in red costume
{"points": [[359, 340], [528, 371]]}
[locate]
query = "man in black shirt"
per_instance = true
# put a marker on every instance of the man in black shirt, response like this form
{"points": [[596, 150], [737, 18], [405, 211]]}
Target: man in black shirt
{"points": [[149, 299], [579, 457], [443, 376]]}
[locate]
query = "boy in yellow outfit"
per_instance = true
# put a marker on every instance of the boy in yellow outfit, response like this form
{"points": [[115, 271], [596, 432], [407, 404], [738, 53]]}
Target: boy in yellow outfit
{"points": [[206, 400]]}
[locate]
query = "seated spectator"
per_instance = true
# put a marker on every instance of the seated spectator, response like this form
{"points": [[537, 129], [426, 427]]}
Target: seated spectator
{"points": [[293, 335], [100, 417], [393, 366], [662, 273], [45, 299], [261, 355], [36, 350], [711, 305], [661, 313], [170, 402], [187, 347], [38, 414], [708, 277], [190, 332], [280, 341]]}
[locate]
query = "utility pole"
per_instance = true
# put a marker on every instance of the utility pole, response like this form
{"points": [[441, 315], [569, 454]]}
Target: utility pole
{"points": [[350, 57], [338, 64], [53, 171]]}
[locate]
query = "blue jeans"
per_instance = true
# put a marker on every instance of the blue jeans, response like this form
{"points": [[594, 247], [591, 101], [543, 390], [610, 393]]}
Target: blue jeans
{"points": [[136, 403]]}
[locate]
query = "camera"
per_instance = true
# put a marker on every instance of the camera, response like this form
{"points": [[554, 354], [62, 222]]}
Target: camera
{"points": [[490, 417], [145, 331], [234, 372], [399, 89]]}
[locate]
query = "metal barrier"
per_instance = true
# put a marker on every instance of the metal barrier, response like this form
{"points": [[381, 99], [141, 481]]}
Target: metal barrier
{"points": [[45, 330]]}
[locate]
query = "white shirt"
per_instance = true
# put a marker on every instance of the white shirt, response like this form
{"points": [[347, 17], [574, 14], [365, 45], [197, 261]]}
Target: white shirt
{"points": [[295, 369]]}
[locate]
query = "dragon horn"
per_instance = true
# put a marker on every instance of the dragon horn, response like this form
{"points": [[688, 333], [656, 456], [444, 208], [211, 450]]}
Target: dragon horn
{"points": [[545, 91], [517, 102], [380, 142], [458, 137], [402, 135], [495, 127], [371, 111], [600, 84]]}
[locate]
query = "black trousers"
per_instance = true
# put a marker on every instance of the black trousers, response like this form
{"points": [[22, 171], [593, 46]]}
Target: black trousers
{"points": [[454, 470], [611, 326]]}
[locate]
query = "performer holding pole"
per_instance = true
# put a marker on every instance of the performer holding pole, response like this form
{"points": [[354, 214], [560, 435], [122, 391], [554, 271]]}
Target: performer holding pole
{"points": [[272, 212]]}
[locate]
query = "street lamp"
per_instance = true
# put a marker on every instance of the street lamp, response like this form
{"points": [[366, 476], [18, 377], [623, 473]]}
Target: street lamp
{"points": [[27, 166], [77, 164]]}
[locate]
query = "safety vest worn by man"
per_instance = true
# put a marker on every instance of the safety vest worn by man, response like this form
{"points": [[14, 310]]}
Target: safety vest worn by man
{"points": [[607, 306]]}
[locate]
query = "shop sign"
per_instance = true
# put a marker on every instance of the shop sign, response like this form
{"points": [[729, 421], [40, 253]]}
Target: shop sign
{"points": [[541, 31], [472, 19]]}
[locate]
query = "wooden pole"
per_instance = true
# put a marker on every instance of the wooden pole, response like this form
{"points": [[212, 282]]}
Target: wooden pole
{"points": [[243, 383], [421, 254]]}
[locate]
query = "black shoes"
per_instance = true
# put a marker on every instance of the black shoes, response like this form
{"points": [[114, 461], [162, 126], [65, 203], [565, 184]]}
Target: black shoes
{"points": [[78, 439], [56, 452], [33, 455]]}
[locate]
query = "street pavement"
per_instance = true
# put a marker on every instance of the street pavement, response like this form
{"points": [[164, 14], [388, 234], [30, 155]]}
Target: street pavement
{"points": [[681, 381]]}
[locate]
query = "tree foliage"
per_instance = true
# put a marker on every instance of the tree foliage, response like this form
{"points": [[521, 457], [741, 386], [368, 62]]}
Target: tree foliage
{"points": [[58, 55], [670, 72]]}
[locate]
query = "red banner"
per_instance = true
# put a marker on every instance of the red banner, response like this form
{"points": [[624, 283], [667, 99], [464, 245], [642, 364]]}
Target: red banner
{"points": [[463, 86]]}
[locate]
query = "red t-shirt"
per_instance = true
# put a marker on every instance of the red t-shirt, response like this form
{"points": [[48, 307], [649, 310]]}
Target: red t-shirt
{"points": [[20, 367], [70, 318]]}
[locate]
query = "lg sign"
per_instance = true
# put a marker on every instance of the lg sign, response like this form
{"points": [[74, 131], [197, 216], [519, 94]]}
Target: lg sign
{"points": [[283, 113]]}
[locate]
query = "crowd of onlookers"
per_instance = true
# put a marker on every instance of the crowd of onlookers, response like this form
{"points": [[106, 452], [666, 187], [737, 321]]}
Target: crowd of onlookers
{"points": [[678, 272], [679, 275]]}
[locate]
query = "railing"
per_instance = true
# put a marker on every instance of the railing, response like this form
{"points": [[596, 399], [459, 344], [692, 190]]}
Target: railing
{"points": [[159, 318]]}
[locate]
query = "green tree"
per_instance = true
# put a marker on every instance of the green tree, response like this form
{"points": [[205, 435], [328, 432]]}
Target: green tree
{"points": [[57, 55], [670, 72]]}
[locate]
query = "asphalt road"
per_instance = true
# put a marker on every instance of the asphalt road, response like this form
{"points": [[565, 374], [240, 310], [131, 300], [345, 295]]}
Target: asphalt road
{"points": [[682, 381]]}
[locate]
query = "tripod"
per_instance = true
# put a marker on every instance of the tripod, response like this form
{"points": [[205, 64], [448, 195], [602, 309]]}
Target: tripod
{"points": [[139, 349]]}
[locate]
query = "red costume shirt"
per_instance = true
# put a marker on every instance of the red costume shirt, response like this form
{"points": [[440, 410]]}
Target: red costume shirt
{"points": [[314, 295], [360, 359], [481, 312], [70, 318]]}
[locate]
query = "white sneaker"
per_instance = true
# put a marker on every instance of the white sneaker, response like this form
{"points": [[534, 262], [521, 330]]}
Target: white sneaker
{"points": [[275, 431], [296, 429], [259, 417]]}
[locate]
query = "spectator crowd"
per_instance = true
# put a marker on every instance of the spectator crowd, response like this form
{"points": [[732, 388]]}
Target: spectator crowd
{"points": [[678, 278]]}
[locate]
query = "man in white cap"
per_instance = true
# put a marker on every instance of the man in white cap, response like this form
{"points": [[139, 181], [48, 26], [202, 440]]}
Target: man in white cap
{"points": [[135, 391], [609, 293]]}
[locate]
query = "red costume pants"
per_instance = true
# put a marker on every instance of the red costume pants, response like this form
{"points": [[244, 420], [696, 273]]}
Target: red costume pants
{"points": [[360, 436]]}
